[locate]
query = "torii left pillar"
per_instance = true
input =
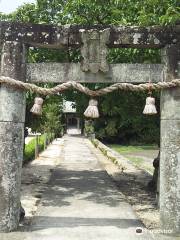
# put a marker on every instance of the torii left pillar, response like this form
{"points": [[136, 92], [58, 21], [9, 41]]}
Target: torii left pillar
{"points": [[12, 118]]}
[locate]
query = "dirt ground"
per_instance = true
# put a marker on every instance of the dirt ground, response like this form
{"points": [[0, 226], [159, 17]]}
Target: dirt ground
{"points": [[132, 182], [142, 200]]}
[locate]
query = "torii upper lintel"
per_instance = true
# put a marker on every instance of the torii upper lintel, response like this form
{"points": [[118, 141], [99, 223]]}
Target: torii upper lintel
{"points": [[51, 36]]}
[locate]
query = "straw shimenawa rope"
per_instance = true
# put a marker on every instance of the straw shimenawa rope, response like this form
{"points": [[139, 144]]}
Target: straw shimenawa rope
{"points": [[93, 93]]}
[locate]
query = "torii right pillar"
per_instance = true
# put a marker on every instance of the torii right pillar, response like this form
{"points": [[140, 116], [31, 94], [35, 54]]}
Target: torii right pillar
{"points": [[170, 145]]}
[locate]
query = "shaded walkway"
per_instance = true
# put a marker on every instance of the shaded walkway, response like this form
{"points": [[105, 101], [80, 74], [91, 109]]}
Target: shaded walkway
{"points": [[82, 202]]}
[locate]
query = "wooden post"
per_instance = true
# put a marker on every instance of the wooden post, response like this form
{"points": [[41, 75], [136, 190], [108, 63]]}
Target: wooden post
{"points": [[12, 117], [36, 147], [45, 140], [50, 137], [170, 145]]}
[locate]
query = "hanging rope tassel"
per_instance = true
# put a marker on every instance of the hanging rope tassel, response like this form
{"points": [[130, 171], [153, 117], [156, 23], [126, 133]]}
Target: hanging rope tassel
{"points": [[37, 107], [150, 108], [92, 110]]}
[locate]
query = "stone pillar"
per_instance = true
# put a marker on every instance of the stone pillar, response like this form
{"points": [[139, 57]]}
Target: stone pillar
{"points": [[170, 145], [12, 117]]}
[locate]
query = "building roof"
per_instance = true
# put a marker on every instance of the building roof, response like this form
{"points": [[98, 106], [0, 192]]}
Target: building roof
{"points": [[69, 107]]}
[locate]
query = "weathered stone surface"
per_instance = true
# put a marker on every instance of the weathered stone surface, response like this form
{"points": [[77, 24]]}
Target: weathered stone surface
{"points": [[146, 37], [170, 175], [12, 117], [170, 145], [41, 35], [170, 104], [94, 50], [12, 108], [63, 72], [12, 65], [11, 155]]}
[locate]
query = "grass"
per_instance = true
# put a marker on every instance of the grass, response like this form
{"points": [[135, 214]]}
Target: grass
{"points": [[140, 163], [130, 149], [137, 161]]}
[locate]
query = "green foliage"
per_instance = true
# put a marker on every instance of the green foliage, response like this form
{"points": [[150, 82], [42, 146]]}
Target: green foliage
{"points": [[89, 127], [130, 55], [26, 13], [118, 12], [29, 151], [129, 12], [122, 119], [121, 113], [50, 121]]}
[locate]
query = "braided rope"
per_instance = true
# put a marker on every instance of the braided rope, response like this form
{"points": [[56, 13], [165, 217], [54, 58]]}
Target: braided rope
{"points": [[93, 93]]}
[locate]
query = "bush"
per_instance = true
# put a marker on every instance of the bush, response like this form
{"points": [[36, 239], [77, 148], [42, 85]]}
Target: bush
{"points": [[29, 152], [122, 120]]}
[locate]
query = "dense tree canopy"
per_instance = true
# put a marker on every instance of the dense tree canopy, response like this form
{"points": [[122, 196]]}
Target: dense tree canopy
{"points": [[121, 113], [121, 12]]}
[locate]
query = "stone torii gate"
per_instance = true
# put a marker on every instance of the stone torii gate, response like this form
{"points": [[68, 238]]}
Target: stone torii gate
{"points": [[15, 38]]}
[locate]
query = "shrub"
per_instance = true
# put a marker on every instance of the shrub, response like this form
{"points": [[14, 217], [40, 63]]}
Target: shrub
{"points": [[29, 152]]}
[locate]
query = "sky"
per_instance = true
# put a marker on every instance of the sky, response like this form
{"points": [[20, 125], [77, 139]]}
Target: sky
{"points": [[7, 6]]}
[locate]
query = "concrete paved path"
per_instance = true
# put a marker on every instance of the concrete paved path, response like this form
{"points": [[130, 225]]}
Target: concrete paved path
{"points": [[73, 131], [82, 202]]}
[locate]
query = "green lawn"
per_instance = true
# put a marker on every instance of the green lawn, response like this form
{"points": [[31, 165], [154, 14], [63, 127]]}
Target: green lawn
{"points": [[133, 154], [130, 149]]}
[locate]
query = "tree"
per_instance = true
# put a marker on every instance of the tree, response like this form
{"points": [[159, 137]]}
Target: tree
{"points": [[121, 114], [51, 122]]}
